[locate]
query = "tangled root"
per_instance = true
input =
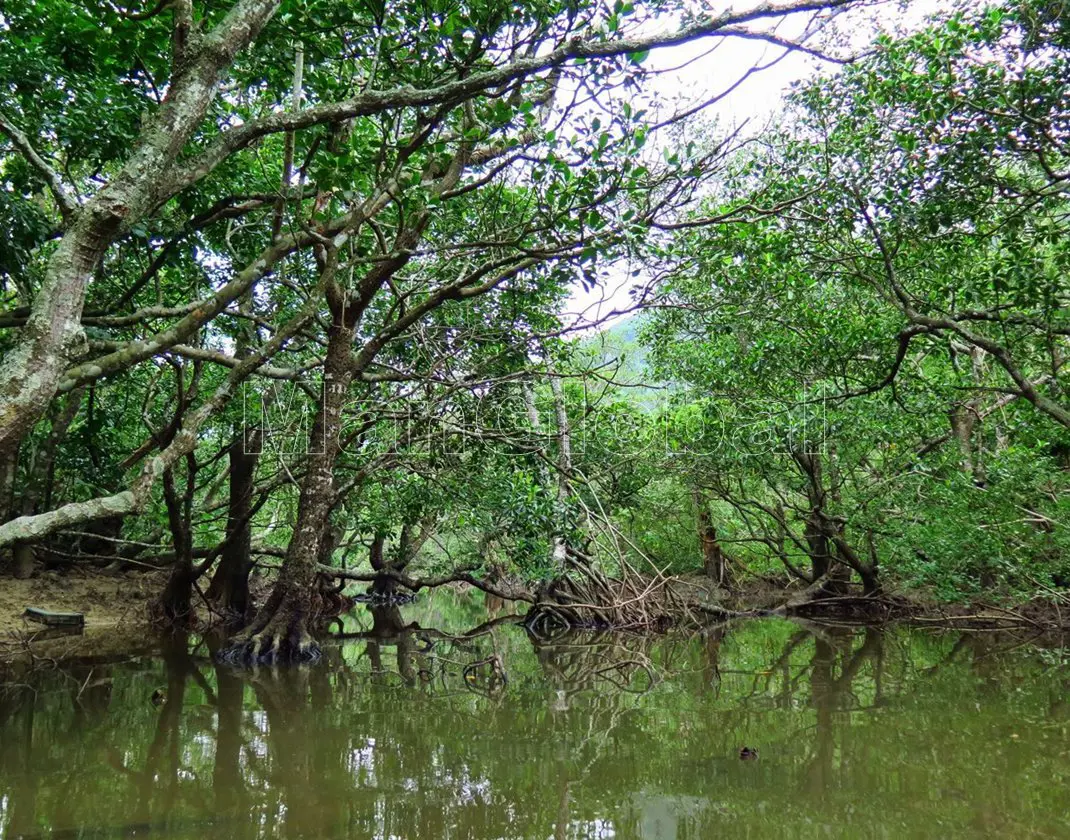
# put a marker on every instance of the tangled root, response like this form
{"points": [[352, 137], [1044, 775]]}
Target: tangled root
{"points": [[546, 623], [282, 640], [586, 599], [271, 649]]}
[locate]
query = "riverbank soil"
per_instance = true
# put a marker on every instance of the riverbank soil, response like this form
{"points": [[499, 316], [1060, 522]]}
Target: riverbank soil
{"points": [[115, 607], [105, 600]]}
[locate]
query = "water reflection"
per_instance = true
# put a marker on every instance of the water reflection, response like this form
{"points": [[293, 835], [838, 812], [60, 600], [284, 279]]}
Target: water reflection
{"points": [[413, 732]]}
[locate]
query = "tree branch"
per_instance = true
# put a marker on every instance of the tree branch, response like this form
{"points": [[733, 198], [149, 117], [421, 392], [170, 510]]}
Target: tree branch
{"points": [[416, 584], [67, 205], [376, 101]]}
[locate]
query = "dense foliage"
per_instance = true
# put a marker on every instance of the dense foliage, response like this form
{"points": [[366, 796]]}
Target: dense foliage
{"points": [[286, 280], [886, 342]]}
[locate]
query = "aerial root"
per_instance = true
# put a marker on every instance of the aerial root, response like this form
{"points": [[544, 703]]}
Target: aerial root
{"points": [[586, 598], [282, 640], [271, 649]]}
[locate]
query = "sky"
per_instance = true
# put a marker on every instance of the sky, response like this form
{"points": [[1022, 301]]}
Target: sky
{"points": [[755, 102]]}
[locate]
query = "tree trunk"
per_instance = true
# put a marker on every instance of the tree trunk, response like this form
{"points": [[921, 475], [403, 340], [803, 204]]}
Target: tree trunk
{"points": [[713, 559], [9, 464], [820, 530], [849, 558], [382, 587], [32, 370], [281, 629], [964, 420], [39, 481], [175, 603], [23, 560], [818, 546], [229, 588]]}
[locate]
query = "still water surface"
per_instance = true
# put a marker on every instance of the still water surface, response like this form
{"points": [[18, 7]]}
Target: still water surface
{"points": [[860, 733]]}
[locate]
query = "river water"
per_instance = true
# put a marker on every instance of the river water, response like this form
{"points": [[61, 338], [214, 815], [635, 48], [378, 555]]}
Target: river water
{"points": [[456, 731]]}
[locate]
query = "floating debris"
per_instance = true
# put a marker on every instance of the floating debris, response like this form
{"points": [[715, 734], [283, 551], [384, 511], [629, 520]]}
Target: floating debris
{"points": [[55, 619]]}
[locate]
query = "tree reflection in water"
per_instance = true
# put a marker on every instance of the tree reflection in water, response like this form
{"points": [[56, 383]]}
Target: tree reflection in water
{"points": [[412, 731]]}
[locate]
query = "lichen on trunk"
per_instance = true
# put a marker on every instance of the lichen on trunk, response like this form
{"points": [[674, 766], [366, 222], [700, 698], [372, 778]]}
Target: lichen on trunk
{"points": [[282, 629]]}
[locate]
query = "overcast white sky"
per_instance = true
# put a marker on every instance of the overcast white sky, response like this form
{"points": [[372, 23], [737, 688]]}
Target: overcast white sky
{"points": [[755, 101]]}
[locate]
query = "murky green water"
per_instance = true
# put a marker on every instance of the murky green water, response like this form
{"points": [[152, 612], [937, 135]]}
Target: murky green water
{"points": [[860, 734]]}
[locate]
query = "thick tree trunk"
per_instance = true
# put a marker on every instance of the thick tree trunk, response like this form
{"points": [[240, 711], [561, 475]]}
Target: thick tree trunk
{"points": [[281, 630], [136, 497], [410, 542], [870, 582], [229, 589], [9, 464], [39, 480], [383, 587], [31, 371], [23, 560], [53, 335], [176, 601]]}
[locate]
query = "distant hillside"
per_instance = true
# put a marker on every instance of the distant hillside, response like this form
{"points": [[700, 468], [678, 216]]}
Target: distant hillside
{"points": [[618, 351]]}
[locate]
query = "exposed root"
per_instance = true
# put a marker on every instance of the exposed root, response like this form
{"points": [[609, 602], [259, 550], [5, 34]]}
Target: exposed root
{"points": [[270, 648], [866, 608], [279, 635], [587, 599]]}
